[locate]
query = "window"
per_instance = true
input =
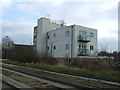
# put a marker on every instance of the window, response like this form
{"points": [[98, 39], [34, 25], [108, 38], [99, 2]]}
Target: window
{"points": [[54, 35], [48, 48], [82, 49], [91, 35], [35, 33], [48, 37], [82, 32], [35, 39], [66, 46], [54, 47], [67, 33], [91, 47], [34, 43]]}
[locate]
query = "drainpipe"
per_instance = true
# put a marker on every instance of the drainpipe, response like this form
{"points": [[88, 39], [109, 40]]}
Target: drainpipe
{"points": [[51, 49], [71, 42]]}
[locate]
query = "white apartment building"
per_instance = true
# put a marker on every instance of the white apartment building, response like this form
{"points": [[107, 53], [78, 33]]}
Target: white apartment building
{"points": [[63, 41]]}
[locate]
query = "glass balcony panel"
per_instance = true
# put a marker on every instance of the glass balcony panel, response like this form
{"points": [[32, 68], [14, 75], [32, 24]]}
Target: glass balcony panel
{"points": [[83, 51], [83, 38]]}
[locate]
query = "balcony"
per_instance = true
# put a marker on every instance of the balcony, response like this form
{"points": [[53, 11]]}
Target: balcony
{"points": [[83, 38], [83, 52]]}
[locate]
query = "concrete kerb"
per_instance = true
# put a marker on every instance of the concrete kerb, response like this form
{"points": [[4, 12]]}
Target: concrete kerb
{"points": [[15, 83]]}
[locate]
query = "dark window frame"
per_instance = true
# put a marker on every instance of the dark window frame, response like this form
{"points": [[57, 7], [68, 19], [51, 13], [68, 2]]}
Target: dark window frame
{"points": [[91, 47], [68, 33], [48, 48], [67, 46], [48, 37], [91, 34], [54, 47], [54, 35]]}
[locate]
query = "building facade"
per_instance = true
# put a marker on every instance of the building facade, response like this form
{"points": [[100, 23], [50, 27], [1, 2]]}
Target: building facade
{"points": [[62, 41]]}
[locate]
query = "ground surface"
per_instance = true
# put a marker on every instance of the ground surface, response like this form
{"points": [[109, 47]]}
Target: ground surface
{"points": [[7, 86]]}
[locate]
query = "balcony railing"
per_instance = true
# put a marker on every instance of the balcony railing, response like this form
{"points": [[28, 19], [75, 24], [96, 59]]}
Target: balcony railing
{"points": [[83, 52], [83, 38]]}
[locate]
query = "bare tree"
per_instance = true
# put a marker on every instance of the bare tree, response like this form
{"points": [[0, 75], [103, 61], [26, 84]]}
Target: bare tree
{"points": [[104, 47], [0, 50], [7, 43]]}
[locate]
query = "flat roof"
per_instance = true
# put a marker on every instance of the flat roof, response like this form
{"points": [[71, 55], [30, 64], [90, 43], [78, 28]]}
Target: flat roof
{"points": [[72, 25]]}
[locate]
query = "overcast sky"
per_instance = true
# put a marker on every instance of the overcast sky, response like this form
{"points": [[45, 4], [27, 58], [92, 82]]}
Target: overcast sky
{"points": [[19, 18]]}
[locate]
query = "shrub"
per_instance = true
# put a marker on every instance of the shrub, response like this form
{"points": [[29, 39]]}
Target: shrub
{"points": [[90, 64], [47, 59]]}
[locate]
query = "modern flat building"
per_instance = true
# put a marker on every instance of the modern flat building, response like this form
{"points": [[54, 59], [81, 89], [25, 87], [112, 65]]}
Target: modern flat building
{"points": [[63, 41]]}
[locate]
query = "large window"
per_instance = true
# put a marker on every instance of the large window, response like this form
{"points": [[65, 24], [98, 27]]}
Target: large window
{"points": [[82, 49], [67, 46], [67, 33]]}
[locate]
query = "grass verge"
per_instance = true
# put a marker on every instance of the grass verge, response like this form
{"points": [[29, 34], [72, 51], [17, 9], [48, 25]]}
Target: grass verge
{"points": [[114, 75], [74, 80]]}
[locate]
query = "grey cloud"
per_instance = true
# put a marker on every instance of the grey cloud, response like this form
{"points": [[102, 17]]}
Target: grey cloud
{"points": [[19, 32], [86, 14], [109, 43]]}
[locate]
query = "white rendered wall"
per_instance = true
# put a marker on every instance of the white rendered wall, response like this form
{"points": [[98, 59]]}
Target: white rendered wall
{"points": [[93, 41], [59, 41], [44, 25]]}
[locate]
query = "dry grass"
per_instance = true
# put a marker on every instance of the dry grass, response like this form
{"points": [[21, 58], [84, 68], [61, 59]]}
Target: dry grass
{"points": [[91, 64], [19, 78], [29, 81], [65, 78]]}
